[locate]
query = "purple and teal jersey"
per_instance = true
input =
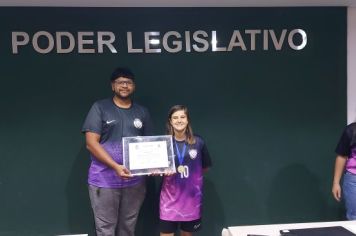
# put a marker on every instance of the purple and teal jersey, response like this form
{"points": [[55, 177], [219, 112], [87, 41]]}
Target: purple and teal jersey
{"points": [[347, 147], [113, 123], [182, 193]]}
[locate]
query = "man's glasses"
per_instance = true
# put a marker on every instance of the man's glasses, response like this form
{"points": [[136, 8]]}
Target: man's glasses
{"points": [[124, 82]]}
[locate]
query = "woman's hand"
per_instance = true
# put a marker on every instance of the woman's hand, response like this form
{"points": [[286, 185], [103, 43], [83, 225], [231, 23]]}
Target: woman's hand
{"points": [[336, 190]]}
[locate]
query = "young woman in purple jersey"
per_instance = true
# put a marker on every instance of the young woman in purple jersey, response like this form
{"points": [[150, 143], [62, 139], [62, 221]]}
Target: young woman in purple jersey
{"points": [[181, 193], [345, 168]]}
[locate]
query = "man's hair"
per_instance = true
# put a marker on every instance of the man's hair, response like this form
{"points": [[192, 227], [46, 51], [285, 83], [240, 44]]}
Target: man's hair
{"points": [[122, 72]]}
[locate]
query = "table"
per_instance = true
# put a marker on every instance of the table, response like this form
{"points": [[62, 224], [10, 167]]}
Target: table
{"points": [[273, 229]]}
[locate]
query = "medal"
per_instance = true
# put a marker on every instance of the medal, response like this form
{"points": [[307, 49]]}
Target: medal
{"points": [[180, 169], [180, 158]]}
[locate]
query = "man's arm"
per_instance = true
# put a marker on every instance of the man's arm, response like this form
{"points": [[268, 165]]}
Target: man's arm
{"points": [[338, 171], [92, 143]]}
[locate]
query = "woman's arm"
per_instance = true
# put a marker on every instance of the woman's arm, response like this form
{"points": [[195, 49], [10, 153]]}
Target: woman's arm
{"points": [[338, 171]]}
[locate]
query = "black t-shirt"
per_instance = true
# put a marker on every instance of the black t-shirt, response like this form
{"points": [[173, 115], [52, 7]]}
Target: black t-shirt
{"points": [[206, 160], [347, 141], [113, 123], [347, 147]]}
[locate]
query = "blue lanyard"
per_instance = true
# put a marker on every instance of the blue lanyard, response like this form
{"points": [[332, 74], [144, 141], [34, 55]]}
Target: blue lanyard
{"points": [[179, 154]]}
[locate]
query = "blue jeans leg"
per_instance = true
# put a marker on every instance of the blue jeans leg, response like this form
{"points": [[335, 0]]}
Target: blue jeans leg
{"points": [[349, 195]]}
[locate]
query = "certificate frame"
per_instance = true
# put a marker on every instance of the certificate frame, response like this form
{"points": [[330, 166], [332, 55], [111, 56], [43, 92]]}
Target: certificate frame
{"points": [[144, 155]]}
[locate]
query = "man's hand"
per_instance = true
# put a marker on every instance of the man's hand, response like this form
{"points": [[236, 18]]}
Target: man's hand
{"points": [[123, 172]]}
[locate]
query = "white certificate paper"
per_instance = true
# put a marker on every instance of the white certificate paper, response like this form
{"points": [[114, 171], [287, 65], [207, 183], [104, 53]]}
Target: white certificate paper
{"points": [[144, 155], [148, 155]]}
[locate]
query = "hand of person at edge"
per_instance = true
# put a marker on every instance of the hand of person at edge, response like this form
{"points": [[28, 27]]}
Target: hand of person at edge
{"points": [[336, 190], [169, 173], [159, 173]]}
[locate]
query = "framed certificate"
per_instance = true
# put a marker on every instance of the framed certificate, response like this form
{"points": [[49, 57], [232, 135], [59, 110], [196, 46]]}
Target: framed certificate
{"points": [[144, 155]]}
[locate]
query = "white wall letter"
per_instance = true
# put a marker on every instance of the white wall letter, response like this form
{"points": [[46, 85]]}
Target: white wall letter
{"points": [[15, 37], [253, 37], [304, 39], [239, 42], [177, 44], [214, 43], [108, 43], [71, 45], [203, 41], [149, 41], [49, 38], [278, 44], [82, 42], [130, 48]]}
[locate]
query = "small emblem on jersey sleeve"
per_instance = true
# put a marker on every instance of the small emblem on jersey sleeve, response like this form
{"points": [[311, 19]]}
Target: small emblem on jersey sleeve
{"points": [[137, 123], [193, 153]]}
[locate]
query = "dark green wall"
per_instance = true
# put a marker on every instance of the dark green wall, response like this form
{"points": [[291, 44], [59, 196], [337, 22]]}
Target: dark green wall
{"points": [[270, 118]]}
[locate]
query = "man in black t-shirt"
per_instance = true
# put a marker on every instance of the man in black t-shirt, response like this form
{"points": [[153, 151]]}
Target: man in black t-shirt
{"points": [[345, 166], [115, 195]]}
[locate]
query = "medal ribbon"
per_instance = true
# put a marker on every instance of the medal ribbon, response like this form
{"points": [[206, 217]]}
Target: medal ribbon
{"points": [[179, 154]]}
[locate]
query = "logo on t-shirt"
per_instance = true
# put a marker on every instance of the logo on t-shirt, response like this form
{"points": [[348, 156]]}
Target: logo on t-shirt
{"points": [[137, 123], [193, 153], [196, 226], [109, 121]]}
